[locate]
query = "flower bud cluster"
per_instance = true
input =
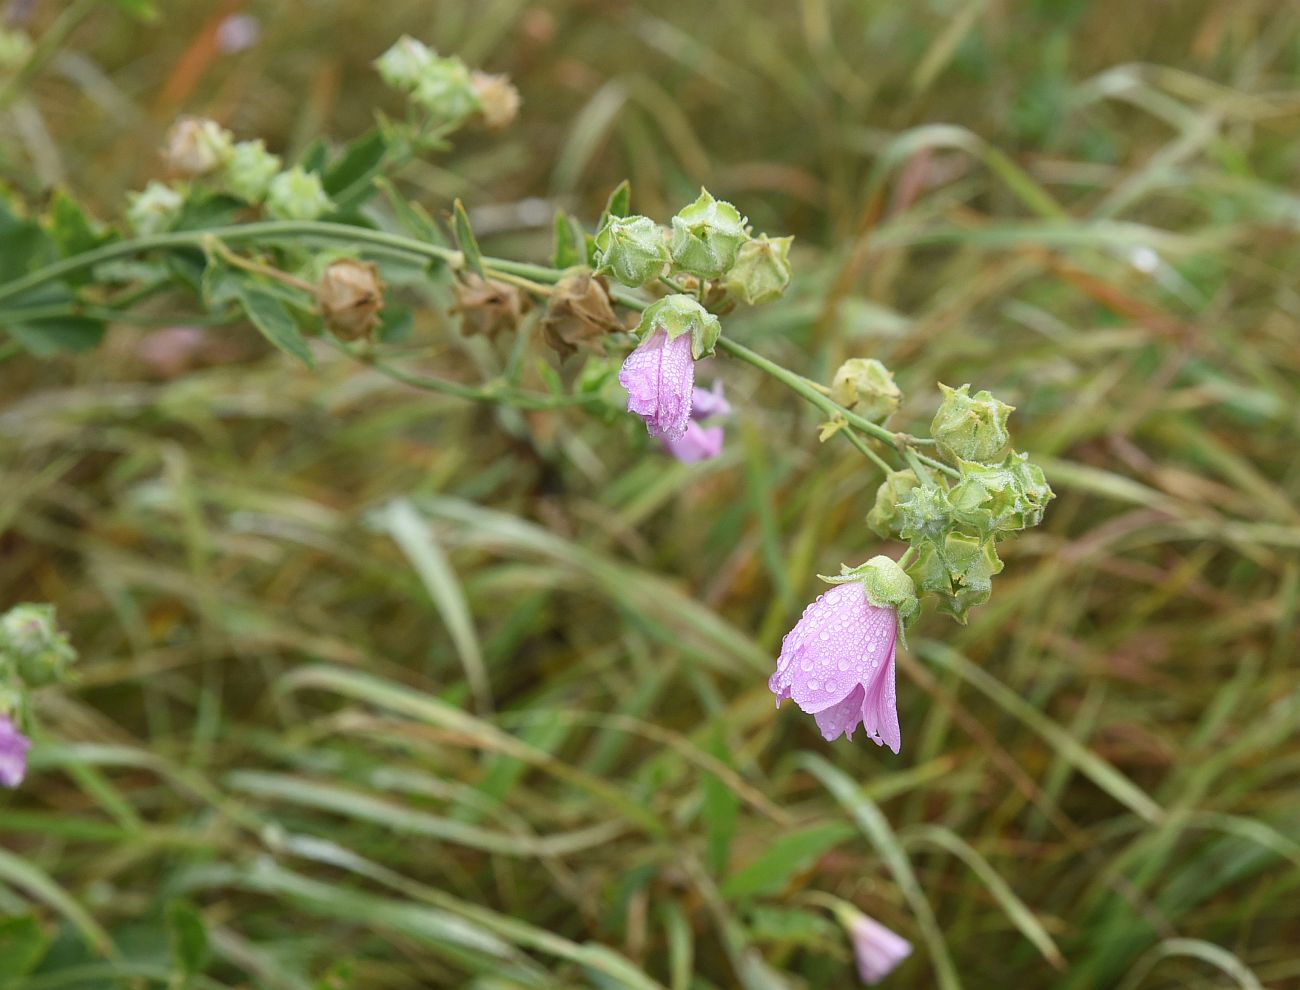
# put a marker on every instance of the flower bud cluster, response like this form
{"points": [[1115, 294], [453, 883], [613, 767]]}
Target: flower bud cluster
{"points": [[954, 524], [707, 241], [444, 89]]}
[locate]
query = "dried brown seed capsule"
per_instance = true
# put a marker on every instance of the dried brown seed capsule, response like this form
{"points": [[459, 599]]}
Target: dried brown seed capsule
{"points": [[488, 307], [579, 313], [351, 297]]}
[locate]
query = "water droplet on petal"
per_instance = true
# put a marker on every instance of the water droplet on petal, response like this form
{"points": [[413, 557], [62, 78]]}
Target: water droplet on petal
{"points": [[825, 636], [814, 684]]}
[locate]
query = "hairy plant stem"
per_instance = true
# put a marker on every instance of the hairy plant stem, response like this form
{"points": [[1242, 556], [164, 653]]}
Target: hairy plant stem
{"points": [[518, 272]]}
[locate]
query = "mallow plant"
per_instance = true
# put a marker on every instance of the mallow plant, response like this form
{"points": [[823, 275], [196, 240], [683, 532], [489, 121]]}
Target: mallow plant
{"points": [[326, 249]]}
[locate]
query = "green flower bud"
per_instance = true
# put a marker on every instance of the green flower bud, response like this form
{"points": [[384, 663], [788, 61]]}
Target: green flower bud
{"points": [[297, 195], [632, 249], [154, 210], [884, 516], [971, 427], [867, 387], [402, 65], [249, 171], [959, 572], [707, 236], [446, 89], [678, 314], [32, 644], [196, 146], [994, 500], [761, 272], [926, 515]]}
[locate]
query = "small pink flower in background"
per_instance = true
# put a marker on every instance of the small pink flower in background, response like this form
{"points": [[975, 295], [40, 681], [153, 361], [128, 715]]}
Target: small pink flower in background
{"points": [[837, 663], [702, 443], [660, 377], [13, 753], [876, 949]]}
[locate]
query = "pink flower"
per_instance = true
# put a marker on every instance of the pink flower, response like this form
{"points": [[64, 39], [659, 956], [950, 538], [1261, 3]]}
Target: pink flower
{"points": [[702, 443], [698, 443], [877, 950], [659, 377], [837, 663], [13, 753]]}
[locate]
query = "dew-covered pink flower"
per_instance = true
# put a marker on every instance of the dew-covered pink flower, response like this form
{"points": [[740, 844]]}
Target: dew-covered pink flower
{"points": [[660, 378], [13, 753], [710, 403], [837, 663], [876, 949]]}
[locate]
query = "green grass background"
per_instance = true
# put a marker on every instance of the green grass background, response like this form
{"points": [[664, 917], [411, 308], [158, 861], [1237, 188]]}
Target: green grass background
{"points": [[278, 579]]}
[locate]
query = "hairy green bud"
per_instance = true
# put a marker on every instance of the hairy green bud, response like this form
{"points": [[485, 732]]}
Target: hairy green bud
{"points": [[971, 427], [155, 209], [632, 249], [402, 66], [197, 146], [678, 314], [31, 643], [884, 515], [249, 171], [926, 514], [707, 236], [761, 272], [867, 387], [446, 89], [297, 195]]}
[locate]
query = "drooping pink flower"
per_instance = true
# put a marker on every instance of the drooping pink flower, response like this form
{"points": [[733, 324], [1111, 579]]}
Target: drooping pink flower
{"points": [[837, 663], [876, 949], [659, 377], [707, 403], [13, 753]]}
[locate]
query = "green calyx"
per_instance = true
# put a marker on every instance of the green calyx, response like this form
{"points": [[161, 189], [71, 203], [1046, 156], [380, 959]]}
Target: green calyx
{"points": [[707, 236], [971, 427], [631, 249], [884, 517], [867, 387], [761, 272], [887, 586], [958, 570], [32, 645], [678, 314]]}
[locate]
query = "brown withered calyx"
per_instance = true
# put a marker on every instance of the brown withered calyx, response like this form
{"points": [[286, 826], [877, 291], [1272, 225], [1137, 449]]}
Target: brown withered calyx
{"points": [[579, 313], [488, 307], [351, 297]]}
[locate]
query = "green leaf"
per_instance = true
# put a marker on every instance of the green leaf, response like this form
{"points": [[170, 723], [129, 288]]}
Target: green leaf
{"points": [[566, 251], [465, 240], [721, 810], [352, 172], [272, 318], [23, 244], [22, 944], [788, 856], [411, 215], [71, 229], [620, 201], [188, 936], [46, 338]]}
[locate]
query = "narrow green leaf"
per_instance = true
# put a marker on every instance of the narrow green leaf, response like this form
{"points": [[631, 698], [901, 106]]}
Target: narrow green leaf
{"points": [[188, 936], [46, 338], [273, 320], [349, 177], [465, 239], [789, 855], [22, 944], [141, 10], [16, 871], [565, 254], [620, 201]]}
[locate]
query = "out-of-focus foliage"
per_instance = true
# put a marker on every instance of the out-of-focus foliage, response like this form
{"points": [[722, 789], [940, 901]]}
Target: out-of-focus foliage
{"points": [[385, 689]]}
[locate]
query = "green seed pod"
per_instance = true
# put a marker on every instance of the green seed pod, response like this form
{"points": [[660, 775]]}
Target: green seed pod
{"points": [[867, 387], [249, 171], [971, 427], [402, 65], [707, 236], [31, 643], [926, 515], [761, 272], [884, 517], [154, 210], [297, 195], [631, 249]]}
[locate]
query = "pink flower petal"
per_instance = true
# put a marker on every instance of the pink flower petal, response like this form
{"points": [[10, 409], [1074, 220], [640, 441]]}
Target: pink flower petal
{"points": [[876, 949], [659, 377], [13, 753], [698, 443]]}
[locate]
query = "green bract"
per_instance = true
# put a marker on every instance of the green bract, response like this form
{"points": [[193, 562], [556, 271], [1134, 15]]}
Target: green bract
{"points": [[884, 516], [446, 90], [959, 571], [971, 427], [761, 271], [249, 171], [632, 249], [678, 314], [297, 195], [994, 500], [925, 515], [707, 236], [867, 387]]}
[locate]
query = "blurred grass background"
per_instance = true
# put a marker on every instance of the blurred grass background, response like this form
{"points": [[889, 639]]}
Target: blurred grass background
{"points": [[284, 583]]}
